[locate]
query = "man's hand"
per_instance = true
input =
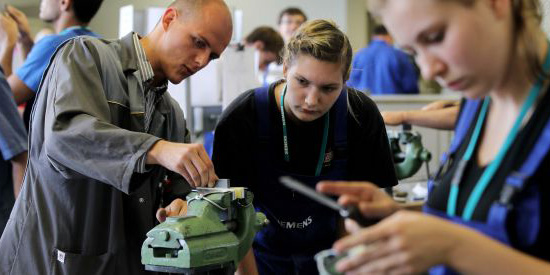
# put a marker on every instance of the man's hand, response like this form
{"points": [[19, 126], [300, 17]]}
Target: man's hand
{"points": [[8, 28], [178, 207], [8, 31], [189, 160], [21, 20]]}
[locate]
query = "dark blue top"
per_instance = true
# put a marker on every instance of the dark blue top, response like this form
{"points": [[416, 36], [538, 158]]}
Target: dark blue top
{"points": [[382, 69], [13, 141], [522, 213], [13, 136], [39, 57]]}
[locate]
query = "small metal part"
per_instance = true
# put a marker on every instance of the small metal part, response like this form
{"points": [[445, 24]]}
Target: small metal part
{"points": [[400, 196], [351, 212], [222, 183], [326, 262], [311, 193], [202, 197], [327, 259], [164, 236]]}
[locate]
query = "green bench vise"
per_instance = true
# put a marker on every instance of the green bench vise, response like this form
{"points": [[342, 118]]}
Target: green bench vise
{"points": [[212, 238], [409, 161]]}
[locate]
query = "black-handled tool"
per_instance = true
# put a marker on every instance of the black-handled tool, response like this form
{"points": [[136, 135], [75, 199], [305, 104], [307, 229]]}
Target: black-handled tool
{"points": [[351, 212]]}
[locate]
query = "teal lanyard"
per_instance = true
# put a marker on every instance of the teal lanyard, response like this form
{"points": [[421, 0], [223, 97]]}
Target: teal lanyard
{"points": [[489, 172], [285, 137], [66, 30]]}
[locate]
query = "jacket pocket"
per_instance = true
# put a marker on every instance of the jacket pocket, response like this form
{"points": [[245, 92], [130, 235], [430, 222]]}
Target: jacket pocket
{"points": [[66, 263]]}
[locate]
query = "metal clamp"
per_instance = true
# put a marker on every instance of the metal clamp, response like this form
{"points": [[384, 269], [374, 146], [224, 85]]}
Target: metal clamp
{"points": [[514, 184], [202, 197]]}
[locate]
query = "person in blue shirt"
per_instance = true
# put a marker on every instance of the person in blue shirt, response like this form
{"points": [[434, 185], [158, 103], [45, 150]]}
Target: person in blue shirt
{"points": [[382, 69], [70, 18], [13, 151]]}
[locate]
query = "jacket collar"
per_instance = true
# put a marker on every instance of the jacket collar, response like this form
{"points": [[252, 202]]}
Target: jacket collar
{"points": [[128, 56]]}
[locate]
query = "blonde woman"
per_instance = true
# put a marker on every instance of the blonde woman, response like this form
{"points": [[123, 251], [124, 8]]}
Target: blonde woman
{"points": [[488, 204], [309, 126]]}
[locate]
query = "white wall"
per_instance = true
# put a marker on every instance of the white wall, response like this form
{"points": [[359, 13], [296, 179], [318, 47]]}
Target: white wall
{"points": [[265, 12], [545, 4], [346, 13], [357, 23]]}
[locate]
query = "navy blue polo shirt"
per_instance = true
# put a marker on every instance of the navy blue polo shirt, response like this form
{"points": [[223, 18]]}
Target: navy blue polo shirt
{"points": [[13, 141]]}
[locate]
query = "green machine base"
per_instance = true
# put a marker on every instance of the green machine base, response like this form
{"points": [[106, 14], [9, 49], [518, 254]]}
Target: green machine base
{"points": [[212, 238], [217, 269]]}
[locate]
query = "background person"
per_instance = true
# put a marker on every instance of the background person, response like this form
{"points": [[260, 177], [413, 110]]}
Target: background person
{"points": [[290, 19], [268, 43], [324, 131], [13, 149], [69, 18], [15, 30], [382, 69]]}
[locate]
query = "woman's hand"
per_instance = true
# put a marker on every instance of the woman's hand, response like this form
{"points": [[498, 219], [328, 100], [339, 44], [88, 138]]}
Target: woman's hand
{"points": [[393, 118], [404, 243], [369, 198]]}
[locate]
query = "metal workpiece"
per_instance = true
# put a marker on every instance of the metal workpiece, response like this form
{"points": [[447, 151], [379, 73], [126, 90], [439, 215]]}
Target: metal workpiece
{"points": [[214, 236], [327, 259], [351, 212], [222, 183]]}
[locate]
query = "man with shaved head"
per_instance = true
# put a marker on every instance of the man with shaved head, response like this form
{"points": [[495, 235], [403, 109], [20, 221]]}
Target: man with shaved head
{"points": [[104, 138]]}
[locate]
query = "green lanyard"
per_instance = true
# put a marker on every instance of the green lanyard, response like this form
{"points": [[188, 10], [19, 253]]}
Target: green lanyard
{"points": [[285, 137], [491, 169]]}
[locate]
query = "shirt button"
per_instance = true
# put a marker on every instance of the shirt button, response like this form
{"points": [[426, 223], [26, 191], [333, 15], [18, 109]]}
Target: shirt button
{"points": [[141, 200]]}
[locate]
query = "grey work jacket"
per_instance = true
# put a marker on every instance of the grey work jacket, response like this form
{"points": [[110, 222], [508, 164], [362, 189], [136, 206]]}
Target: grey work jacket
{"points": [[83, 209]]}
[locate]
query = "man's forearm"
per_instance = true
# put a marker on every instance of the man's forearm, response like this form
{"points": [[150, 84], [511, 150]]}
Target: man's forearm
{"points": [[26, 43], [21, 93], [154, 152], [6, 58], [18, 172]]}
